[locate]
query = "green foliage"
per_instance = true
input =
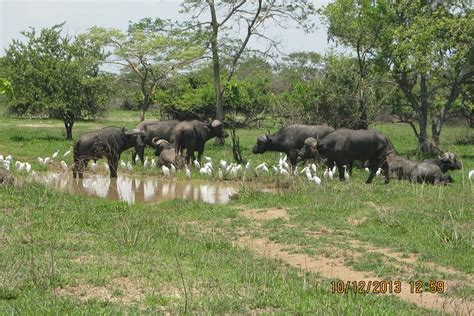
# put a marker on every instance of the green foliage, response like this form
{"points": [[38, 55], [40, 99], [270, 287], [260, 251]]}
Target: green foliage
{"points": [[5, 86], [52, 75]]}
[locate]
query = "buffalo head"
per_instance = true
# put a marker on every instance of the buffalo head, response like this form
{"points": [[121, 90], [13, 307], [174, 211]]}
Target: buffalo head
{"points": [[217, 129], [135, 137], [263, 141], [450, 161], [309, 150], [160, 145]]}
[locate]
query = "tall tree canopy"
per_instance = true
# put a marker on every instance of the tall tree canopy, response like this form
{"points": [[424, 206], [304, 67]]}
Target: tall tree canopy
{"points": [[151, 51], [426, 47], [55, 75], [230, 25]]}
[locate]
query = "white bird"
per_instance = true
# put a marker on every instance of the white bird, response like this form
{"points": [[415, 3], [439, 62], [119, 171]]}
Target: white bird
{"points": [[326, 173], [248, 167], [145, 163], [313, 167], [18, 164], [41, 161], [346, 174], [265, 169], [379, 172], [208, 159], [64, 165], [260, 166], [56, 153], [123, 165], [137, 158], [46, 161], [187, 171], [166, 171], [153, 164], [334, 169], [9, 158], [1, 158], [316, 180], [367, 169], [471, 175], [28, 168], [221, 174], [106, 166], [286, 165], [275, 169], [197, 165], [330, 174], [305, 169], [223, 164], [67, 152], [309, 176], [6, 165], [172, 169], [205, 171], [285, 172], [209, 165], [93, 166]]}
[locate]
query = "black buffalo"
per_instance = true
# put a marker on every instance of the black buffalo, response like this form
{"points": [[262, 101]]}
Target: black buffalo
{"points": [[343, 146], [153, 129], [290, 140], [109, 143], [434, 171], [193, 135], [400, 167]]}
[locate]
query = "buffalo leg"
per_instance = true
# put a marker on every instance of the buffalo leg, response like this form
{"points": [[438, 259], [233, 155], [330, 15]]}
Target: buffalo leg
{"points": [[386, 171], [373, 169], [113, 165], [293, 155], [340, 170], [79, 167]]}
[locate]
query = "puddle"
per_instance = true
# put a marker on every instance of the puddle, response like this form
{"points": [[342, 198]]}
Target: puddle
{"points": [[136, 190]]}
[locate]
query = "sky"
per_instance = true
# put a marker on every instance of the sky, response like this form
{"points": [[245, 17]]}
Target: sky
{"points": [[79, 15]]}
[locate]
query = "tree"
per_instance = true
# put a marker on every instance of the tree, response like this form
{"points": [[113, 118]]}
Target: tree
{"points": [[55, 75], [5, 86], [426, 47], [152, 50], [224, 21]]}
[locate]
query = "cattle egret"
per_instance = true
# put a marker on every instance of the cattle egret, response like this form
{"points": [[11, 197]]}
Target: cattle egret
{"points": [[187, 171], [123, 165], [221, 174], [207, 159], [471, 175], [260, 166], [1, 158], [316, 180], [93, 166], [309, 175], [17, 164], [6, 165], [46, 161], [145, 163], [265, 169], [313, 167], [205, 171], [56, 153], [129, 166], [330, 174], [28, 168], [275, 169], [41, 161], [67, 152], [334, 169], [286, 165], [223, 164], [284, 172], [197, 165], [305, 169], [367, 169], [153, 164], [64, 165], [346, 174], [9, 158], [209, 165], [248, 167], [166, 171], [172, 169], [326, 173], [379, 172]]}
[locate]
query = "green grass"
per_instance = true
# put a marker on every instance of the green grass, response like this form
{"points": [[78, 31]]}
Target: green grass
{"points": [[55, 248]]}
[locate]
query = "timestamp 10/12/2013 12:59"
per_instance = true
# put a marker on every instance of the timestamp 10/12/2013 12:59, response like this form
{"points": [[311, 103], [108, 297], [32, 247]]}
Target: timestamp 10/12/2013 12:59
{"points": [[389, 287]]}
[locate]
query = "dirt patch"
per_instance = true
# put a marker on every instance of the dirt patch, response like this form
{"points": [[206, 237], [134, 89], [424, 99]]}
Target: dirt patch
{"points": [[356, 221], [336, 269], [266, 214], [39, 125], [84, 259], [120, 290], [318, 233]]}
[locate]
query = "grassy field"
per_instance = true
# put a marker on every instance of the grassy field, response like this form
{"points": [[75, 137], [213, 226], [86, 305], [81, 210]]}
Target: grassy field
{"points": [[261, 253]]}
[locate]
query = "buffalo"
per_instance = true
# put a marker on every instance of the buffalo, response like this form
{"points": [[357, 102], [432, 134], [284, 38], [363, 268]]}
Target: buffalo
{"points": [[193, 135], [343, 146], [290, 140], [108, 142], [400, 167], [434, 171], [166, 153], [152, 129]]}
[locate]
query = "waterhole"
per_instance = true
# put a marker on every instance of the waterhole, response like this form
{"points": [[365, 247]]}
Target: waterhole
{"points": [[136, 190]]}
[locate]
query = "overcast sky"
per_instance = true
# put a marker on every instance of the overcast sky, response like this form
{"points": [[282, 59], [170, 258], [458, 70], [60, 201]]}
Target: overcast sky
{"points": [[79, 15]]}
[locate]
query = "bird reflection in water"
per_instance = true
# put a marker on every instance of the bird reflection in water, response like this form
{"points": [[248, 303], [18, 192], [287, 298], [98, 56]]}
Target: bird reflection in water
{"points": [[133, 190]]}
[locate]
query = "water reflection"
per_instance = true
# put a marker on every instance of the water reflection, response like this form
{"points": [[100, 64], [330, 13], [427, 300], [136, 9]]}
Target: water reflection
{"points": [[135, 190]]}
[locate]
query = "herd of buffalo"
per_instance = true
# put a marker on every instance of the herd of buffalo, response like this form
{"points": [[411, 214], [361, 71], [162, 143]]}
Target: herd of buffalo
{"points": [[336, 147]]}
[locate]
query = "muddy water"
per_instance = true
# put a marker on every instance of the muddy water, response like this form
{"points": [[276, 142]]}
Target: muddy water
{"points": [[135, 190]]}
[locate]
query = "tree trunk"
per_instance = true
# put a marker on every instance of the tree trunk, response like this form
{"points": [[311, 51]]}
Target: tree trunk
{"points": [[216, 67], [423, 116], [142, 115], [68, 124]]}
